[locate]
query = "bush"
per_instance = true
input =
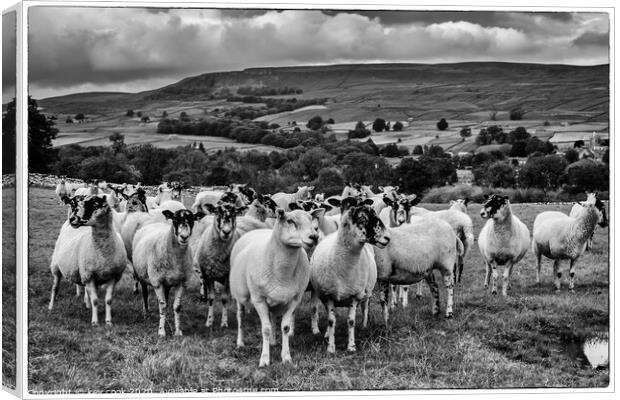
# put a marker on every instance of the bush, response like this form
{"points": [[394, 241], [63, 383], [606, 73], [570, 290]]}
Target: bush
{"points": [[129, 113], [542, 172], [378, 125], [398, 126], [442, 125], [501, 174], [330, 181], [315, 123], [444, 194], [587, 175], [465, 132], [79, 117], [571, 156], [392, 150], [418, 150], [360, 131]]}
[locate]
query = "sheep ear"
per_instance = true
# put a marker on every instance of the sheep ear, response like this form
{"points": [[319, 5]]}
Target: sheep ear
{"points": [[466, 201], [415, 201], [199, 215], [452, 202], [210, 207], [396, 188], [126, 197], [240, 210], [310, 188], [294, 206], [334, 202], [348, 203], [168, 214], [326, 206], [65, 199], [485, 197], [380, 188], [318, 213], [388, 201], [368, 202]]}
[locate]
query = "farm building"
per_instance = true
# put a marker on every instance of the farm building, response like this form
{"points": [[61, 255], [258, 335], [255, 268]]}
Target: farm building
{"points": [[566, 140]]}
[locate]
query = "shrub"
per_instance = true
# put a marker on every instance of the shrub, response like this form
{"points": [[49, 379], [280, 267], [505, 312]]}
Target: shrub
{"points": [[330, 181], [315, 123], [520, 134], [330, 121], [501, 174], [542, 172], [398, 126], [571, 156], [360, 131], [130, 113], [442, 125], [465, 132], [392, 150], [587, 175], [418, 150], [444, 194]]}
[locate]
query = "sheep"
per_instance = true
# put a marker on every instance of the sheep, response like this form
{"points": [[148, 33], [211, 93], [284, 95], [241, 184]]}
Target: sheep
{"points": [[170, 205], [212, 255], [602, 222], [66, 189], [415, 250], [560, 237], [503, 240], [91, 254], [326, 223], [256, 217], [378, 203], [463, 227], [163, 260], [459, 205], [270, 269], [210, 197], [284, 199], [343, 271], [91, 189]]}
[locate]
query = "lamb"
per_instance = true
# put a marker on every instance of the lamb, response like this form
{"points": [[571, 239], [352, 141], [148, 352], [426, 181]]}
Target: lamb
{"points": [[459, 205], [66, 189], [270, 269], [91, 254], [378, 203], [91, 189], [602, 222], [503, 240], [170, 205], [560, 237], [256, 217], [212, 255], [284, 199], [343, 271], [415, 250], [162, 259]]}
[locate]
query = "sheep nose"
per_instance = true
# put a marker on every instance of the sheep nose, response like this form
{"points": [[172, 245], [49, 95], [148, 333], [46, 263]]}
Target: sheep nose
{"points": [[314, 237]]}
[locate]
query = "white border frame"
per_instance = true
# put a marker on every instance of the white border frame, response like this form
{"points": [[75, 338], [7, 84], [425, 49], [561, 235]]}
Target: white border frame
{"points": [[456, 5]]}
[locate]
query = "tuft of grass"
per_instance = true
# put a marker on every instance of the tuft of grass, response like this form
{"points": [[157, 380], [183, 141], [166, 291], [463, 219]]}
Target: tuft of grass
{"points": [[530, 339]]}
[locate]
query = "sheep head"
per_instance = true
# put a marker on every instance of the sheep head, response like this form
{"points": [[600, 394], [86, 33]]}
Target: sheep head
{"points": [[86, 211], [182, 223], [495, 206], [297, 228], [225, 221]]}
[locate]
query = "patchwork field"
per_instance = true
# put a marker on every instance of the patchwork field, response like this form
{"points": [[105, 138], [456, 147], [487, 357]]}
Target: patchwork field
{"points": [[530, 339]]}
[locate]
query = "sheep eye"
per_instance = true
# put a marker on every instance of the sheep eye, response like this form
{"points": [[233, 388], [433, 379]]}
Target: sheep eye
{"points": [[291, 222]]}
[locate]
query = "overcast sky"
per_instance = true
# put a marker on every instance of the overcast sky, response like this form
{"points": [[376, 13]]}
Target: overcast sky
{"points": [[133, 49]]}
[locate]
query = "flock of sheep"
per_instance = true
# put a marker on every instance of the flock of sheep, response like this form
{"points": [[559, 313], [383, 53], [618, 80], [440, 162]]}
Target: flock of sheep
{"points": [[267, 251]]}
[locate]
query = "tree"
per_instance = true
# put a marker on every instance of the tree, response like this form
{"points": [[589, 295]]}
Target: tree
{"points": [[519, 149], [118, 142], [542, 172], [315, 123], [130, 113], [139, 114], [418, 150], [164, 114], [587, 175], [578, 144], [69, 120], [360, 131], [378, 125], [398, 126], [41, 131], [520, 134], [500, 174], [436, 151], [330, 181], [79, 117], [606, 157], [145, 119], [465, 132], [442, 125], [9, 158], [330, 121], [516, 114]]}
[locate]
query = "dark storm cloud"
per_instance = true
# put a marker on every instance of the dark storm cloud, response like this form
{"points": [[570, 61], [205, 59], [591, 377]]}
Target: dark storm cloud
{"points": [[592, 39], [130, 48], [9, 47]]}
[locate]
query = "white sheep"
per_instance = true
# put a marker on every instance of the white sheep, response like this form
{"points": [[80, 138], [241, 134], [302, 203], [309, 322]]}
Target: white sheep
{"points": [[270, 269], [503, 240], [91, 253], [415, 250], [284, 199], [343, 270], [378, 203], [163, 260], [602, 222], [212, 255], [560, 237]]}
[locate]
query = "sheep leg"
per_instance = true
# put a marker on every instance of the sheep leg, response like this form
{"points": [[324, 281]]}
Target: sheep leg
{"points": [[272, 337], [163, 305], [432, 285], [494, 278], [393, 296], [557, 275], [404, 295], [55, 287], [448, 280], [351, 325], [460, 263], [109, 290], [176, 307], [365, 305], [331, 327], [210, 294], [263, 314], [487, 274], [315, 313], [240, 312], [538, 264], [571, 276], [506, 280], [384, 292], [94, 302], [86, 299], [78, 290], [225, 296], [287, 328], [418, 292], [145, 299]]}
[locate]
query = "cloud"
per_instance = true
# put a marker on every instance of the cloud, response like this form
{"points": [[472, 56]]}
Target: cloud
{"points": [[9, 48], [84, 47], [592, 39]]}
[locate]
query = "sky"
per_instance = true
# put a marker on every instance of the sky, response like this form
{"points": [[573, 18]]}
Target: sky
{"points": [[82, 49]]}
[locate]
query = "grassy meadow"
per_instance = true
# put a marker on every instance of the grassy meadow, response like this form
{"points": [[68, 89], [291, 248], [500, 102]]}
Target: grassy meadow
{"points": [[8, 287], [531, 339]]}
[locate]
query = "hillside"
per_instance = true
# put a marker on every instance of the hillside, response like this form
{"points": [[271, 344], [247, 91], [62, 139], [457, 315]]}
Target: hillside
{"points": [[466, 94]]}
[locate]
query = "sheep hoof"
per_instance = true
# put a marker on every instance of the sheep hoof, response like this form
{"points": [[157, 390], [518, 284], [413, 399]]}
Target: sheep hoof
{"points": [[224, 325], [449, 316], [494, 291], [418, 296], [316, 331], [264, 362], [287, 360], [162, 333], [108, 323], [351, 349], [178, 333], [94, 323], [240, 344], [331, 349]]}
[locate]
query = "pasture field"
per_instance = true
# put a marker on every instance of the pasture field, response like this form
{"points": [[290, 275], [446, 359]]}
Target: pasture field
{"points": [[529, 340], [9, 310]]}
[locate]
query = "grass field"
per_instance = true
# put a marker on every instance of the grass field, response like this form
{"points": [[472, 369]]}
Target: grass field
{"points": [[8, 287], [530, 339]]}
